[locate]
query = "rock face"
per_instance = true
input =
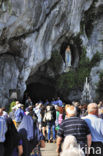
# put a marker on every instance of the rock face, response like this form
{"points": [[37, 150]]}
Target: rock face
{"points": [[31, 29]]}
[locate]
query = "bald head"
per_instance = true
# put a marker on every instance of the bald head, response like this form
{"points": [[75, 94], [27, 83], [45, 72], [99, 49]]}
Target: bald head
{"points": [[92, 108], [71, 111]]}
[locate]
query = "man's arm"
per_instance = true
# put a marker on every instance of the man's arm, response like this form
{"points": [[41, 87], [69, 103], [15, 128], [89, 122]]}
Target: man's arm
{"points": [[59, 139], [20, 150], [89, 140]]}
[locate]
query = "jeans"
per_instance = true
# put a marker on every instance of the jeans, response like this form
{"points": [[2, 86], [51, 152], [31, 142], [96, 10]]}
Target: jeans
{"points": [[51, 125]]}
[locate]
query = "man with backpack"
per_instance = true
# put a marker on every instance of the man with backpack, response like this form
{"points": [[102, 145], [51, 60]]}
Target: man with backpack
{"points": [[50, 117]]}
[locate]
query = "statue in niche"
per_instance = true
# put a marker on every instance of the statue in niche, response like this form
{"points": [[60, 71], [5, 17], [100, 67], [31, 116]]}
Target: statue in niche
{"points": [[67, 59]]}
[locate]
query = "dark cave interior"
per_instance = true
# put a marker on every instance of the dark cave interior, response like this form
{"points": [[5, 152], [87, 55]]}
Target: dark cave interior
{"points": [[38, 91]]}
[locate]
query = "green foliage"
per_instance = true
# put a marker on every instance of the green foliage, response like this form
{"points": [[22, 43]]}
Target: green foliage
{"points": [[55, 62], [82, 73], [96, 58], [66, 82], [84, 61], [76, 79], [12, 105]]}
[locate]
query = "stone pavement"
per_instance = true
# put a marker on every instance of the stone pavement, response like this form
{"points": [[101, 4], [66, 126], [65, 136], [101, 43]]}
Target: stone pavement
{"points": [[49, 150]]}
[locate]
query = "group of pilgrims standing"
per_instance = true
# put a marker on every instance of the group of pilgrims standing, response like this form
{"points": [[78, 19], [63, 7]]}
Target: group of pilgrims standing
{"points": [[25, 129]]}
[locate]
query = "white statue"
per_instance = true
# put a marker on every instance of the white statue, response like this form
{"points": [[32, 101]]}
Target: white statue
{"points": [[68, 58]]}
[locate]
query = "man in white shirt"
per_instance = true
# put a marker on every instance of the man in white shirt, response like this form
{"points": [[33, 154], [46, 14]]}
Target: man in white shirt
{"points": [[95, 125]]}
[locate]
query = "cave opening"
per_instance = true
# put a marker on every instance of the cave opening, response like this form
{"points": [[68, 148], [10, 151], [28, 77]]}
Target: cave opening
{"points": [[42, 84], [40, 92]]}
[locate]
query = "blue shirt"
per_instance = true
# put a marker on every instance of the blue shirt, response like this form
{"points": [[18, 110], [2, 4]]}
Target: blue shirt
{"points": [[59, 103], [53, 102], [19, 115], [96, 127], [3, 129]]}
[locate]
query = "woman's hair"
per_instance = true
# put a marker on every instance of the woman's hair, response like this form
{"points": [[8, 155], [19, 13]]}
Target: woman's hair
{"points": [[12, 137], [73, 152], [69, 141], [70, 147]]}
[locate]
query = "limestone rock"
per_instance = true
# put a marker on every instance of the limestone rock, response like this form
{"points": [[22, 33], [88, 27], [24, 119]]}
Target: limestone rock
{"points": [[31, 29]]}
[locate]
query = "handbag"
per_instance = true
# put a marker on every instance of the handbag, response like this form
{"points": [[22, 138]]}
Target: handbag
{"points": [[42, 143]]}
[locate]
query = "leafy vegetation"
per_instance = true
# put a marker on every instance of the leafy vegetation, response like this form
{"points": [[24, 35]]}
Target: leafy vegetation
{"points": [[75, 79], [55, 62]]}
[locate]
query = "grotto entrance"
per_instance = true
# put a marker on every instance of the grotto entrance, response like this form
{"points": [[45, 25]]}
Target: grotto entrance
{"points": [[38, 91], [42, 84]]}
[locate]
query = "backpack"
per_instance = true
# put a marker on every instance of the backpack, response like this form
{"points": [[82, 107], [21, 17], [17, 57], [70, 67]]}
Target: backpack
{"points": [[49, 113], [49, 116]]}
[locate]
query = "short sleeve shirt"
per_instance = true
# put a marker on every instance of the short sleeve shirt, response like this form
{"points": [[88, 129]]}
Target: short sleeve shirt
{"points": [[76, 127]]}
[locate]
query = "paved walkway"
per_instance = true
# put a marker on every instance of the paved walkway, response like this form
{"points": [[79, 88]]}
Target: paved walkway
{"points": [[49, 150]]}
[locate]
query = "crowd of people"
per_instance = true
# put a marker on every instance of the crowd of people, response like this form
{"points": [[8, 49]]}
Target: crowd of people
{"points": [[76, 129]]}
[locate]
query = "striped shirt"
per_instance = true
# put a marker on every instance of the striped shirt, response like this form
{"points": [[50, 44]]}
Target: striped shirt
{"points": [[76, 127], [3, 129]]}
